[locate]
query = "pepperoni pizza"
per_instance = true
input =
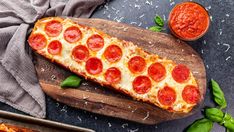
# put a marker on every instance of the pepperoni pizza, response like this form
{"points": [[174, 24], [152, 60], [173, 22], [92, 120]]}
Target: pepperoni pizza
{"points": [[116, 63]]}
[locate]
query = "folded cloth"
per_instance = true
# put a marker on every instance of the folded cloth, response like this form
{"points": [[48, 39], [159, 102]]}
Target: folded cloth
{"points": [[19, 85]]}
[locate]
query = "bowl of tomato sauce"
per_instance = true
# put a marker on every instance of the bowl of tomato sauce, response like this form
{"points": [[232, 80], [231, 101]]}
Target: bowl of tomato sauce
{"points": [[189, 21]]}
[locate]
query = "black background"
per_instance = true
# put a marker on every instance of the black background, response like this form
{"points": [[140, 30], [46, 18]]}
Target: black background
{"points": [[218, 58]]}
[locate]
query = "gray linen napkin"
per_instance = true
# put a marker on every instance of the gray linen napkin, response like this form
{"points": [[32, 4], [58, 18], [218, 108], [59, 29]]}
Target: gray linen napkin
{"points": [[19, 85]]}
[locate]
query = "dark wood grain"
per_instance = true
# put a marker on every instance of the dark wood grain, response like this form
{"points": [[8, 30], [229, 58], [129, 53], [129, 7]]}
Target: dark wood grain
{"points": [[93, 97]]}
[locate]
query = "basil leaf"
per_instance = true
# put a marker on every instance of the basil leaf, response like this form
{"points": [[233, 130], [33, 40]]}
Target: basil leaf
{"points": [[71, 81], [155, 28], [218, 94], [229, 125], [214, 114], [201, 125], [159, 21], [228, 122]]}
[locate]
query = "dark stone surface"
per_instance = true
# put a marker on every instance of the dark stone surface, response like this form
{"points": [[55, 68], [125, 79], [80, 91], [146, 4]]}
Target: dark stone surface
{"points": [[218, 58]]}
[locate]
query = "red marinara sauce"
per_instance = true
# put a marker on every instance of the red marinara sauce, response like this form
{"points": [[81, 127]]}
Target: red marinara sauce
{"points": [[189, 21]]}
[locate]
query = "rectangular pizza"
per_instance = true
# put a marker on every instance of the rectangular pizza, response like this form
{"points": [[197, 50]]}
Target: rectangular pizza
{"points": [[115, 63]]}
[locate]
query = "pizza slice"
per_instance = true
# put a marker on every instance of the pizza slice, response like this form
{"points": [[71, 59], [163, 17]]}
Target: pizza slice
{"points": [[115, 63], [12, 128]]}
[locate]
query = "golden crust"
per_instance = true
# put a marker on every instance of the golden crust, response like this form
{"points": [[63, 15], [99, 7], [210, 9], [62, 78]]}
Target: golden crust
{"points": [[150, 98]]}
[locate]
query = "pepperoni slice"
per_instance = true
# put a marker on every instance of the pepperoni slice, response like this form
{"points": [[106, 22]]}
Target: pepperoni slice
{"points": [[54, 47], [72, 34], [113, 75], [93, 66], [95, 42], [80, 53], [180, 73], [191, 94], [167, 96], [157, 72], [113, 53], [141, 84], [37, 41], [53, 28], [136, 64]]}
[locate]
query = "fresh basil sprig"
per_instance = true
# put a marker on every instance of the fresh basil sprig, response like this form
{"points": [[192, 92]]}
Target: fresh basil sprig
{"points": [[156, 28], [71, 81], [218, 94], [159, 21], [159, 24], [201, 125], [214, 114], [228, 122]]}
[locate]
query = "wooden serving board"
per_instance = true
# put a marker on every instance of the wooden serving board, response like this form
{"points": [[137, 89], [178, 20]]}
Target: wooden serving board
{"points": [[95, 98]]}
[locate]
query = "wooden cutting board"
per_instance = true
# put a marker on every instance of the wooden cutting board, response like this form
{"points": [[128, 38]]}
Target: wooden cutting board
{"points": [[95, 98]]}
